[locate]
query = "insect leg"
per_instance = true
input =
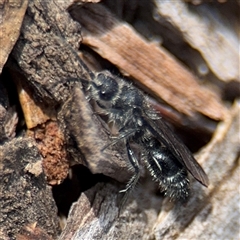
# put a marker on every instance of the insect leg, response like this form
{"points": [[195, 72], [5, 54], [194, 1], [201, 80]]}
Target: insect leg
{"points": [[133, 181], [120, 137]]}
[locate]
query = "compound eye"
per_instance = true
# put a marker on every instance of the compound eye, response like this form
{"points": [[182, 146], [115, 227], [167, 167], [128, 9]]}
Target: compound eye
{"points": [[108, 87]]}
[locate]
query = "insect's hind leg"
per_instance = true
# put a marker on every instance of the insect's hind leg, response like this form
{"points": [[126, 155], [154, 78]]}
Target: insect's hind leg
{"points": [[133, 181]]}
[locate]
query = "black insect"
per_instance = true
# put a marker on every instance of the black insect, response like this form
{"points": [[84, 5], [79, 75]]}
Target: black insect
{"points": [[166, 157]]}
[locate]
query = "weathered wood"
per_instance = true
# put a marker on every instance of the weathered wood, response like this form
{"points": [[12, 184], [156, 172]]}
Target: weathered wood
{"points": [[25, 197], [34, 114], [47, 56], [47, 42], [96, 215], [11, 17], [152, 66], [207, 31], [87, 137]]}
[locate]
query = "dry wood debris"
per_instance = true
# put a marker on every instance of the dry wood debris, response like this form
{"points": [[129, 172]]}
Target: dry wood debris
{"points": [[182, 54]]}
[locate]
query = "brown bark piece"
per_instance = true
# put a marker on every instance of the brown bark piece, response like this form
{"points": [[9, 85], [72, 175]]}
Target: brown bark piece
{"points": [[87, 138], [45, 52], [152, 66], [24, 196], [11, 16], [33, 113], [96, 215], [51, 145]]}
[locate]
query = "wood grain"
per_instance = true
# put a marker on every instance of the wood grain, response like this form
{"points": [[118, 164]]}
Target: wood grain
{"points": [[152, 66]]}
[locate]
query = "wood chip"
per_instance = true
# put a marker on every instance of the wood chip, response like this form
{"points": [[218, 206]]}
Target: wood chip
{"points": [[96, 215], [207, 31], [33, 113], [32, 231], [11, 17], [152, 66]]}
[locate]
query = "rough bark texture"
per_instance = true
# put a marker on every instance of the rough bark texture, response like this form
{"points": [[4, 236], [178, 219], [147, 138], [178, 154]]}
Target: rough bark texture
{"points": [[45, 43], [24, 196], [53, 125]]}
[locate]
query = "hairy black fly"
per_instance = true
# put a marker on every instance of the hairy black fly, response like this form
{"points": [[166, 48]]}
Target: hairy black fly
{"points": [[166, 157]]}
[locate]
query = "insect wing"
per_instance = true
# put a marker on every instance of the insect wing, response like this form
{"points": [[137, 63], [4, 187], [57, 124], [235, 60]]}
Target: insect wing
{"points": [[161, 131]]}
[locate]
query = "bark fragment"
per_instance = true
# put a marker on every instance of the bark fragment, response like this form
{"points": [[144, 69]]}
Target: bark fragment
{"points": [[152, 66], [24, 195], [11, 17]]}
